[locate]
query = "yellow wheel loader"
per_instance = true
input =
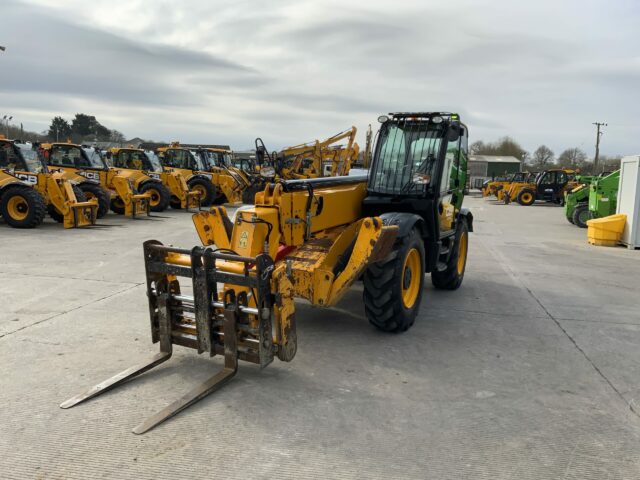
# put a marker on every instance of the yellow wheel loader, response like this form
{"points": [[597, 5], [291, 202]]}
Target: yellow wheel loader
{"points": [[21, 205], [111, 187], [64, 201], [166, 188], [311, 239]]}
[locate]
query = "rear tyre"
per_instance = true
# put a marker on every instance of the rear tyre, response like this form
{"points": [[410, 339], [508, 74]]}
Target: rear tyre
{"points": [[160, 196], [22, 207], [581, 215], [393, 288], [451, 277], [57, 216], [91, 190], [206, 189], [526, 197]]}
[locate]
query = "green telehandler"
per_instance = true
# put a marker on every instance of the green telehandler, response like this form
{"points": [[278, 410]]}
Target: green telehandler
{"points": [[596, 199]]}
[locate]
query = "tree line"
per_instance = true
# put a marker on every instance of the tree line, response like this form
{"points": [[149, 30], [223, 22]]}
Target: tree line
{"points": [[543, 157], [83, 128]]}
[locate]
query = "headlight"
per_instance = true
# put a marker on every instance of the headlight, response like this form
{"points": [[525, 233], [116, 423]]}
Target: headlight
{"points": [[383, 118]]}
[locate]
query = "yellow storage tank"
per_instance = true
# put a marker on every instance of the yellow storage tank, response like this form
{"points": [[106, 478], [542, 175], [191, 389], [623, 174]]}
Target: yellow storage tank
{"points": [[606, 231]]}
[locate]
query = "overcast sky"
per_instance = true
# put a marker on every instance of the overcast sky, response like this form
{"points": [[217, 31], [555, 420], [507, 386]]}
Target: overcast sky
{"points": [[292, 71]]}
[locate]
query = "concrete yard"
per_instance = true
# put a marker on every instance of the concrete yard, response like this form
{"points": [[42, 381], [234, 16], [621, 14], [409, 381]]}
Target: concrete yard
{"points": [[529, 371]]}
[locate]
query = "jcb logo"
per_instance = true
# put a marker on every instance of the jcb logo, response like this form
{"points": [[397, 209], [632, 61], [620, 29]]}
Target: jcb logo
{"points": [[32, 179], [90, 175]]}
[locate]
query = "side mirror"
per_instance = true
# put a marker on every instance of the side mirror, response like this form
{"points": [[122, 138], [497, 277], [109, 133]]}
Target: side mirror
{"points": [[455, 129]]}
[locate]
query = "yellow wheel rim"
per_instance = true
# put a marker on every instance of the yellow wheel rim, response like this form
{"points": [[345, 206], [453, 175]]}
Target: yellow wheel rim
{"points": [[462, 253], [17, 207], [155, 197], [200, 190], [411, 274], [526, 198]]}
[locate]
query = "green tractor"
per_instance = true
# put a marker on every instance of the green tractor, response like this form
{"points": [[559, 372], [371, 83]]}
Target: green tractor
{"points": [[595, 199]]}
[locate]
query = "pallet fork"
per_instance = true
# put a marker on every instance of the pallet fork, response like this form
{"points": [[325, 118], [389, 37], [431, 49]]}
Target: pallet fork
{"points": [[207, 321]]}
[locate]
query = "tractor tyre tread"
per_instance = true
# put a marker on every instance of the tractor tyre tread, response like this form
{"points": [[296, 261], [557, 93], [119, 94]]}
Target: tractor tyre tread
{"points": [[163, 192], [449, 278], [100, 193], [37, 207], [382, 293]]}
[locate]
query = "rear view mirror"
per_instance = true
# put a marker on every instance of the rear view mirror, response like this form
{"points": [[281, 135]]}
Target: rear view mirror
{"points": [[454, 132]]}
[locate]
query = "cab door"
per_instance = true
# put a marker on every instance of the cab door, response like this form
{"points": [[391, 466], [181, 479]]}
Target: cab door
{"points": [[548, 185], [452, 182]]}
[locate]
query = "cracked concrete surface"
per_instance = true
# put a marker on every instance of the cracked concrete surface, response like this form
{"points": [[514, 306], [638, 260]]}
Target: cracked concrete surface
{"points": [[529, 371]]}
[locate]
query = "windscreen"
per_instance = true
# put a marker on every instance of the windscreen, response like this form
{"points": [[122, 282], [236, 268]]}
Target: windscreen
{"points": [[405, 151], [154, 161], [74, 156], [31, 159]]}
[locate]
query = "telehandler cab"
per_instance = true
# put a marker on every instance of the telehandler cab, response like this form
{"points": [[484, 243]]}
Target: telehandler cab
{"points": [[311, 239], [63, 199], [112, 188], [166, 187]]}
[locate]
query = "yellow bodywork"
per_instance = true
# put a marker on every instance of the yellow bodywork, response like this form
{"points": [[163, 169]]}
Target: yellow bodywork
{"points": [[120, 184], [318, 252], [58, 194], [174, 180]]}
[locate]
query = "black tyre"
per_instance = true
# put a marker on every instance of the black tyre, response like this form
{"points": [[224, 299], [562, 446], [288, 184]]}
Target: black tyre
{"points": [[249, 193], [581, 215], [526, 197], [175, 203], [22, 206], [57, 216], [451, 277], [160, 195], [92, 190], [393, 288], [205, 187], [117, 206]]}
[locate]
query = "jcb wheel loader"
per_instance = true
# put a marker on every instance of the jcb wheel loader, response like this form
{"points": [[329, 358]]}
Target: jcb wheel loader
{"points": [[64, 201], [21, 205], [311, 239], [112, 188], [147, 174]]}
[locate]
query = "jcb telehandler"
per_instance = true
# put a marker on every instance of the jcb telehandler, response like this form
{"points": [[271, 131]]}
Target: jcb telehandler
{"points": [[166, 187], [64, 201], [549, 185], [230, 181], [111, 187], [493, 186], [312, 239], [21, 205]]}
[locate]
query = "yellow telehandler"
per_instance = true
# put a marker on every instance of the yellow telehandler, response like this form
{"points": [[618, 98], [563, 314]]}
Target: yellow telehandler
{"points": [[112, 188], [64, 201], [311, 239], [166, 187], [21, 205]]}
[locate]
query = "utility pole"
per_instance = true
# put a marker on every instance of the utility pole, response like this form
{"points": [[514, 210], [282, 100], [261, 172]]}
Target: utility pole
{"points": [[598, 135]]}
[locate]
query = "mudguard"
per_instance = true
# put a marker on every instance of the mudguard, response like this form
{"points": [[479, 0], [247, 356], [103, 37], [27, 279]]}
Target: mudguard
{"points": [[405, 222], [466, 213]]}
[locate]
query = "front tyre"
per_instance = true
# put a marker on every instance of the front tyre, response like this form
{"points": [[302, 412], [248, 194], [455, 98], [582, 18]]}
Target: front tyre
{"points": [[22, 206], [160, 196], [393, 288], [451, 277], [526, 197], [581, 215], [205, 188], [91, 190]]}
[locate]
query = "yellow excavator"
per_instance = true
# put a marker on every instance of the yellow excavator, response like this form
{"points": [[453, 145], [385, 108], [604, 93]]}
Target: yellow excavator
{"points": [[166, 187], [63, 200], [111, 187], [311, 239]]}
